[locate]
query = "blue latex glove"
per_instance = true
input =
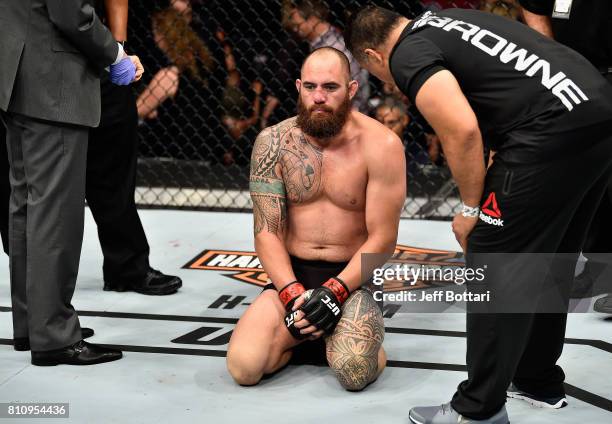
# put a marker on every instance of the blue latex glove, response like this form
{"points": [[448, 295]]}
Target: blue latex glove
{"points": [[123, 73]]}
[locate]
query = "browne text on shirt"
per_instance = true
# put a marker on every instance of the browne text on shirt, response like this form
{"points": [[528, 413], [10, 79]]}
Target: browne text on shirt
{"points": [[559, 84]]}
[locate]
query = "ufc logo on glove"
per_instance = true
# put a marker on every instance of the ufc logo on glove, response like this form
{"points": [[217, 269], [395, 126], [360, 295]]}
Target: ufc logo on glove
{"points": [[331, 305]]}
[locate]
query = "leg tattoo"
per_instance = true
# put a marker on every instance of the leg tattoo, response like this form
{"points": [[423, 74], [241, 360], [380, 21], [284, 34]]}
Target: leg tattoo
{"points": [[352, 349]]}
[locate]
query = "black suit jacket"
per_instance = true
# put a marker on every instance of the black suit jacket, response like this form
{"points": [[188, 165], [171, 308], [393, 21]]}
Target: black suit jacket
{"points": [[51, 54]]}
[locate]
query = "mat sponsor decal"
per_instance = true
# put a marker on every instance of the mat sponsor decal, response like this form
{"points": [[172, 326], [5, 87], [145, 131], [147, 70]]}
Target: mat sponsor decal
{"points": [[245, 266]]}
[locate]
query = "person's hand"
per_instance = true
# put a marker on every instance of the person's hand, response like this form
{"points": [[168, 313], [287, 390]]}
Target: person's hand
{"points": [[322, 307], [302, 330], [152, 114], [139, 68], [123, 72], [257, 87], [220, 34], [462, 227]]}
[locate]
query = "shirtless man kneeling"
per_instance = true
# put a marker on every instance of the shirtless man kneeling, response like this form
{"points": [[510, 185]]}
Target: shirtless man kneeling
{"points": [[327, 186]]}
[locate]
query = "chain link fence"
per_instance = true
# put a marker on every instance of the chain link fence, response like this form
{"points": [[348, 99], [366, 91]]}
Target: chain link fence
{"points": [[219, 71]]}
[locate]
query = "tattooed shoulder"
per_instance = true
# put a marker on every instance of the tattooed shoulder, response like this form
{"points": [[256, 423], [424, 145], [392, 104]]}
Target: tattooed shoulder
{"points": [[266, 184], [268, 148]]}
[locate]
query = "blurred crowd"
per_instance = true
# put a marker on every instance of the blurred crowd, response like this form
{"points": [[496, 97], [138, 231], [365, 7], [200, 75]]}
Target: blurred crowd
{"points": [[215, 80]]}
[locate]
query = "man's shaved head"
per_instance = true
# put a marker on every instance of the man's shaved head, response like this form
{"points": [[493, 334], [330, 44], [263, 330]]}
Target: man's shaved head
{"points": [[326, 55], [325, 93]]}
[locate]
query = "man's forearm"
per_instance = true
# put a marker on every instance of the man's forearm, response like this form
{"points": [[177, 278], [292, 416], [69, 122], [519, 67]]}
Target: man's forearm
{"points": [[274, 258], [117, 16], [356, 273], [540, 23], [465, 157]]}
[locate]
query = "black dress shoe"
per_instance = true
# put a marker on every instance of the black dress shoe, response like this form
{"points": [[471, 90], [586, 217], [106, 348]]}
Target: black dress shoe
{"points": [[154, 283], [80, 353], [23, 343]]}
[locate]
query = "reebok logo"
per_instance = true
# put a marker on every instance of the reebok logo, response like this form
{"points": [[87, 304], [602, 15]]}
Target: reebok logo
{"points": [[490, 206], [490, 212]]}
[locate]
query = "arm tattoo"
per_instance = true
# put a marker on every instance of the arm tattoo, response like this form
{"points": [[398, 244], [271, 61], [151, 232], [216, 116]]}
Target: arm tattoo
{"points": [[285, 167], [266, 185], [352, 350]]}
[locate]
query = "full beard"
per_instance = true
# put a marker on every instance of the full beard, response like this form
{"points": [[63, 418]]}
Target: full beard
{"points": [[323, 125]]}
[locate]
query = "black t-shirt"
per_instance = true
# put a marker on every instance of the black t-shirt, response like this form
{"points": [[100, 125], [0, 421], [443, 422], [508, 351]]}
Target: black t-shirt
{"points": [[588, 29], [523, 87]]}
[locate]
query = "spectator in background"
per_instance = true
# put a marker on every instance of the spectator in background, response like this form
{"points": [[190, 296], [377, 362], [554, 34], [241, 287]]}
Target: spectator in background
{"points": [[393, 113], [435, 5], [507, 8], [308, 20], [180, 99], [184, 7], [388, 90], [186, 52], [434, 147], [240, 115], [235, 106]]}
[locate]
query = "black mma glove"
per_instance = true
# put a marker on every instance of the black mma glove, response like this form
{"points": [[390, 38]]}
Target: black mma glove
{"points": [[288, 295], [290, 324], [322, 308]]}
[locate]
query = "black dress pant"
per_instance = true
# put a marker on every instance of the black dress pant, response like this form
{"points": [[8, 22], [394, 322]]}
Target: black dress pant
{"points": [[110, 185], [47, 177], [538, 209], [5, 189]]}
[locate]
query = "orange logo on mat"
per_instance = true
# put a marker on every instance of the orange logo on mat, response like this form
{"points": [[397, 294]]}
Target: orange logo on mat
{"points": [[245, 266]]}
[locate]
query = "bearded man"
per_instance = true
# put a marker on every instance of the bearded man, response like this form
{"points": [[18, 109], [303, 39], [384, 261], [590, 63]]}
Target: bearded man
{"points": [[327, 187]]}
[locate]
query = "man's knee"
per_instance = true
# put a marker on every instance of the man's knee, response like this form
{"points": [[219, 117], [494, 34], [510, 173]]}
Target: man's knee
{"points": [[354, 349], [242, 370], [355, 374], [355, 371], [248, 367]]}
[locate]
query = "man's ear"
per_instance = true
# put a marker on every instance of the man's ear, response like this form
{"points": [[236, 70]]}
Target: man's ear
{"points": [[353, 86], [374, 56], [405, 120], [298, 84]]}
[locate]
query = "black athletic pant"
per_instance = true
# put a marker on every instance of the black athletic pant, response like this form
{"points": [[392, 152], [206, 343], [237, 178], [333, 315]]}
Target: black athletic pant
{"points": [[545, 208], [598, 239], [111, 181]]}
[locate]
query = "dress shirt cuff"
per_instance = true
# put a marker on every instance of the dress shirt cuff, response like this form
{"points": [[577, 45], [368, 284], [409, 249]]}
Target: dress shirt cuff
{"points": [[120, 54]]}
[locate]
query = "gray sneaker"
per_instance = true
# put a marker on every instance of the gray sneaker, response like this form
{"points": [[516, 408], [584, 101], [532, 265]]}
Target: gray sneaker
{"points": [[555, 402], [604, 304], [445, 414]]}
